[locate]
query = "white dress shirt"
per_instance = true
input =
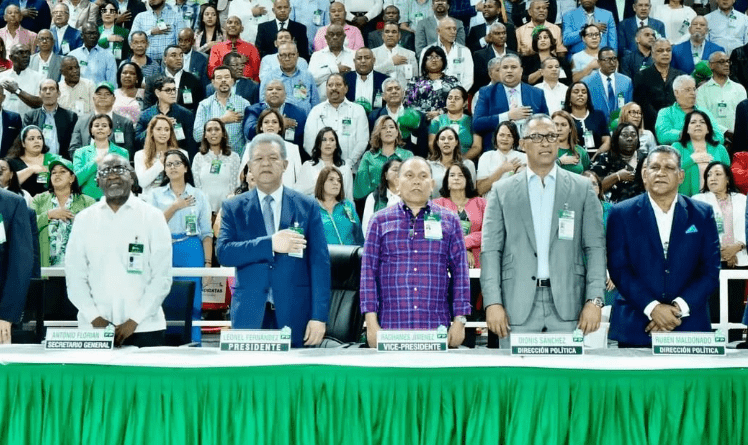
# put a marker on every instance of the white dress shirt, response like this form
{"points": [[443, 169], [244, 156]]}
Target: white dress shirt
{"points": [[542, 198], [29, 81], [310, 172], [383, 63], [554, 97], [352, 134], [96, 264], [323, 63], [277, 204]]}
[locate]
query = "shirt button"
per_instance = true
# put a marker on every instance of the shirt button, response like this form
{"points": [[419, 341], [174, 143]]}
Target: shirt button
{"points": [[415, 289], [415, 307], [416, 251], [415, 269]]}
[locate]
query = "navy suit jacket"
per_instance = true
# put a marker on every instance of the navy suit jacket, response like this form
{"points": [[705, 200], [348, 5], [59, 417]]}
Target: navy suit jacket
{"points": [[350, 77], [182, 115], [740, 137], [599, 94], [268, 31], [188, 80], [71, 35], [683, 58], [301, 286], [627, 32], [43, 16], [642, 274], [16, 256], [492, 101], [291, 111], [199, 67], [65, 121], [11, 129]]}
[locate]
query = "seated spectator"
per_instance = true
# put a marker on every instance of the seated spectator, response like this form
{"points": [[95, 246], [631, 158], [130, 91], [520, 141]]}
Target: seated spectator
{"points": [[412, 124], [190, 91], [128, 98], [87, 159], [149, 162], [216, 167], [76, 94], [67, 38], [653, 86], [54, 120], [123, 133], [13, 33], [402, 38], [98, 65], [591, 125], [676, 17], [209, 31], [445, 152], [584, 62], [365, 84], [670, 120], [193, 61], [352, 35], [9, 181], [139, 47], [571, 156], [641, 57], [456, 116], [538, 10], [632, 113], [339, 216], [391, 58], [21, 83], [426, 29], [297, 80], [553, 90], [188, 215], [698, 146], [697, 48], [627, 28], [335, 58], [46, 62], [574, 22], [294, 118], [720, 95], [428, 92], [386, 143], [224, 104], [460, 196], [620, 167], [243, 87], [346, 118], [30, 158], [385, 195], [504, 160], [113, 37], [326, 153], [34, 15], [233, 43], [270, 62], [152, 22], [271, 121], [459, 60], [55, 210], [609, 90], [189, 10], [544, 46], [5, 63]]}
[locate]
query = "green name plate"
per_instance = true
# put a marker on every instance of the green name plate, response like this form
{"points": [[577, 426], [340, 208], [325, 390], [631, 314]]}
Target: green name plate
{"points": [[547, 344], [412, 341], [256, 340], [79, 339], [689, 343]]}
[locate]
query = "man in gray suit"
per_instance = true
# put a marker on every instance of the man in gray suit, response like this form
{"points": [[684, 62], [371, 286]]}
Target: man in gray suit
{"points": [[123, 132], [543, 254], [426, 29]]}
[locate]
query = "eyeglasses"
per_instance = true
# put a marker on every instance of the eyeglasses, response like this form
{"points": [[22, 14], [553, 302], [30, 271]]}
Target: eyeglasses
{"points": [[173, 164], [537, 138], [635, 113], [169, 90], [109, 10], [592, 34], [434, 57], [118, 170], [609, 59], [722, 62], [45, 38]]}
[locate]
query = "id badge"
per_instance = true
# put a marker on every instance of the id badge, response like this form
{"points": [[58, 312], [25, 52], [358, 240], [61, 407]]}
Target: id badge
{"points": [[161, 25], [317, 20], [482, 42], [684, 27], [465, 227], [300, 231], [432, 227], [215, 167], [621, 100], [720, 225], [187, 96], [300, 92], [378, 100], [84, 62], [721, 109], [117, 50], [455, 127], [349, 215], [190, 224], [418, 17], [79, 106], [346, 126], [458, 61], [65, 47], [48, 132], [42, 178], [119, 137], [290, 134], [135, 258], [179, 132], [566, 224], [407, 70], [589, 140], [2, 231], [437, 85]]}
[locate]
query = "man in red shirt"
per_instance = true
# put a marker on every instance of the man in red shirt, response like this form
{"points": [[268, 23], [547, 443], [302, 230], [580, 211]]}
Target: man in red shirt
{"points": [[250, 55]]}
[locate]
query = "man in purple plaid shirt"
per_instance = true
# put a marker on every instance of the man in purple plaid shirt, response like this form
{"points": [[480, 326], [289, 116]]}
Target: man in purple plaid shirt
{"points": [[410, 251]]}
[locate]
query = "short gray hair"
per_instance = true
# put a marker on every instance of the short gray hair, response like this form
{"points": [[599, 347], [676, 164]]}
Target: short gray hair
{"points": [[496, 24], [533, 118], [511, 56], [661, 40], [390, 80], [681, 80], [666, 149], [267, 138], [416, 159], [491, 63]]}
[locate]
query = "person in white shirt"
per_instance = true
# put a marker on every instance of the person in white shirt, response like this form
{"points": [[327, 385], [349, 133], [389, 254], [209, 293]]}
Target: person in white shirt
{"points": [[336, 58], [391, 58], [504, 160], [251, 13], [118, 261], [346, 118], [326, 153], [553, 90], [21, 82], [459, 58]]}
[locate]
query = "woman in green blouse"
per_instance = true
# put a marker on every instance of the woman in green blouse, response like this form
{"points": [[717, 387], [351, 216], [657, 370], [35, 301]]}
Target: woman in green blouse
{"points": [[55, 210], [385, 143], [339, 217], [698, 147], [456, 117], [571, 156], [86, 159]]}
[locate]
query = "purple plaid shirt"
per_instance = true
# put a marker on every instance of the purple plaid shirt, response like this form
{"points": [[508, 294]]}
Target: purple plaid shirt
{"points": [[404, 276]]}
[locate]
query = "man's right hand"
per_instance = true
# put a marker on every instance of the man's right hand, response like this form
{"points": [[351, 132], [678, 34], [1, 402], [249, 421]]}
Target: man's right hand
{"points": [[665, 317], [398, 59], [497, 320], [123, 17], [343, 68], [601, 26], [231, 117], [287, 241], [100, 322], [156, 31], [520, 113], [372, 327]]}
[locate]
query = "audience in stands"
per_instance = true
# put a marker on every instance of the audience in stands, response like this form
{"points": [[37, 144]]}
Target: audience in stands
{"points": [[339, 217], [87, 159], [698, 145]]}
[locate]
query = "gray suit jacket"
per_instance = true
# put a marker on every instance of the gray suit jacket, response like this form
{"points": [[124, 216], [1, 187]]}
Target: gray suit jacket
{"points": [[509, 260], [82, 137], [54, 66], [426, 33]]}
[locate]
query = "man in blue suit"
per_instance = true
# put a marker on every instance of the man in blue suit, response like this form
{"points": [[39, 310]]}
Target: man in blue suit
{"points": [[575, 20], [294, 117], [627, 28], [274, 237], [193, 61], [364, 71], [508, 100], [663, 256], [683, 53], [36, 14], [609, 90], [11, 124], [66, 37]]}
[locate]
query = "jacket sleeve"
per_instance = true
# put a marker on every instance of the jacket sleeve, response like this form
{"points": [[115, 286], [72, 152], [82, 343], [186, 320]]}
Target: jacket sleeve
{"points": [[17, 273], [492, 250]]}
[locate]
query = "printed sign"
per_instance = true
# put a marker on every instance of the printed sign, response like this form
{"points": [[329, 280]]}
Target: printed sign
{"points": [[256, 340], [689, 343], [412, 341], [76, 339], [548, 344]]}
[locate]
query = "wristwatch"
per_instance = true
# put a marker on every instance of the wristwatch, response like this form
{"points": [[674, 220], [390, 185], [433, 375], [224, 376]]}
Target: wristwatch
{"points": [[461, 318], [597, 301]]}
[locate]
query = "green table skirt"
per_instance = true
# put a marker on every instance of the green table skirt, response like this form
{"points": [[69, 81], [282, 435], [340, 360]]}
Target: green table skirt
{"points": [[105, 405]]}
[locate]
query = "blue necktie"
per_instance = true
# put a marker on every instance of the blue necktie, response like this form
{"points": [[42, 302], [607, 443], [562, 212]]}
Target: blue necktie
{"points": [[267, 215], [612, 100]]}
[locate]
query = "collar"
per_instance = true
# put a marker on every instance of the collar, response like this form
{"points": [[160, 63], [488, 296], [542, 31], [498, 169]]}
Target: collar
{"points": [[44, 110], [657, 208], [605, 78], [188, 189], [551, 174], [277, 195], [645, 20], [409, 213], [129, 204]]}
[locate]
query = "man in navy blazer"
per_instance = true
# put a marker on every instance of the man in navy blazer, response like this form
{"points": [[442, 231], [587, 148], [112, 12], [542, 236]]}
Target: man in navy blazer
{"points": [[192, 60], [627, 28], [683, 52], [282, 275], [268, 31], [60, 17], [574, 21], [16, 260], [364, 67], [11, 125], [597, 82], [275, 98], [33, 23], [495, 104], [663, 256]]}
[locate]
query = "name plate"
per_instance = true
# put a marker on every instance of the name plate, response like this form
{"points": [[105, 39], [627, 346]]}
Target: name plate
{"points": [[547, 344], [76, 339], [689, 343], [412, 341], [256, 340]]}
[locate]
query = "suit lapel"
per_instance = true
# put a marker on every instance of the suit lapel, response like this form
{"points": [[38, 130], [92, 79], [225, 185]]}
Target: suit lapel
{"points": [[647, 218], [525, 211], [680, 223], [254, 212], [561, 199], [288, 214]]}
